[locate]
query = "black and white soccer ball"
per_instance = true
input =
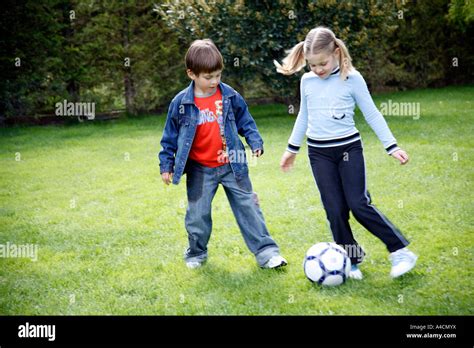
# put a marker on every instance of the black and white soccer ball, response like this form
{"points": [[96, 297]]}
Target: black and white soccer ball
{"points": [[327, 264]]}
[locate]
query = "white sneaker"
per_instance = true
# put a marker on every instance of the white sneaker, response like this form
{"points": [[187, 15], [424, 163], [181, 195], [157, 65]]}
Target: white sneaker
{"points": [[355, 273], [275, 262], [193, 264], [402, 260]]}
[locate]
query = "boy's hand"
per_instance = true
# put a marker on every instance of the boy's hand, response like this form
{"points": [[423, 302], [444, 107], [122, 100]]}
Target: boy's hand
{"points": [[257, 153], [167, 178], [287, 161], [400, 155]]}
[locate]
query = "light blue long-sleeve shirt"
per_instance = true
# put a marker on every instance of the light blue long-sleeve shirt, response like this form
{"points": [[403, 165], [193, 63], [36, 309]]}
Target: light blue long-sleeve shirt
{"points": [[326, 113]]}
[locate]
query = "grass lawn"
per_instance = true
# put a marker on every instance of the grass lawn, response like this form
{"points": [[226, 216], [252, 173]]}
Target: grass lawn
{"points": [[110, 235]]}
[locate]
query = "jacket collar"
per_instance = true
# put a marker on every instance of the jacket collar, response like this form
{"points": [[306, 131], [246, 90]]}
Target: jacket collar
{"points": [[335, 71], [188, 97]]}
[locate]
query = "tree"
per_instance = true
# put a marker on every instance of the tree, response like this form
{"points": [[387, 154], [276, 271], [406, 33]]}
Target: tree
{"points": [[125, 44], [251, 34], [394, 44], [32, 56], [115, 54]]}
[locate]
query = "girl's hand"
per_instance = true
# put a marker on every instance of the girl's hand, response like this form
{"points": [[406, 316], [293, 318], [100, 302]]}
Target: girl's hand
{"points": [[400, 155], [257, 153], [167, 178], [287, 161]]}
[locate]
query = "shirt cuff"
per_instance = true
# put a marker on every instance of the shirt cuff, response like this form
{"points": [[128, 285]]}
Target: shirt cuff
{"points": [[293, 148], [392, 148]]}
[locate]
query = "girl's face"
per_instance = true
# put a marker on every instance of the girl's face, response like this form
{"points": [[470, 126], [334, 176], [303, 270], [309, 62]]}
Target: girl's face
{"points": [[322, 64], [205, 82]]}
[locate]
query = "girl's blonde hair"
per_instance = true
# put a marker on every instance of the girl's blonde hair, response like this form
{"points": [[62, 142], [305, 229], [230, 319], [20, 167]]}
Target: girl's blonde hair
{"points": [[318, 40]]}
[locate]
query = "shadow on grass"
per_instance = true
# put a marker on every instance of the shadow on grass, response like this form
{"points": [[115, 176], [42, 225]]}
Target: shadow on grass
{"points": [[216, 276], [381, 289], [412, 278]]}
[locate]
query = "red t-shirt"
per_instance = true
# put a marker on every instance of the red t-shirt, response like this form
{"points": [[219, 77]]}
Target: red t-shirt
{"points": [[207, 148]]}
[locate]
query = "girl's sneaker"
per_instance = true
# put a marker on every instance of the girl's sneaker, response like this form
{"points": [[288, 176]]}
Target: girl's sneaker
{"points": [[403, 260], [355, 273]]}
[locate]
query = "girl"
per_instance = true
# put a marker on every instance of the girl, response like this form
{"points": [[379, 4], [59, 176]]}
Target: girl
{"points": [[329, 94]]}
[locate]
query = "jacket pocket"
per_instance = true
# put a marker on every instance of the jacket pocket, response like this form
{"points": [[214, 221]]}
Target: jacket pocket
{"points": [[231, 121]]}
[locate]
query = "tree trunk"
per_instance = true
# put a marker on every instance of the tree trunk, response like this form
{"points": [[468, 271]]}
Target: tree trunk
{"points": [[239, 87], [73, 89], [129, 92], [129, 87], [68, 32]]}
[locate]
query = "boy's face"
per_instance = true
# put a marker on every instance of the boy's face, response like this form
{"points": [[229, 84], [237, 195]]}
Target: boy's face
{"points": [[205, 82], [322, 64]]}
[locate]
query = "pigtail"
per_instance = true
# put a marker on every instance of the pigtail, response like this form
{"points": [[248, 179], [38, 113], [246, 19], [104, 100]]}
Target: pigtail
{"points": [[293, 62], [319, 39], [345, 60]]}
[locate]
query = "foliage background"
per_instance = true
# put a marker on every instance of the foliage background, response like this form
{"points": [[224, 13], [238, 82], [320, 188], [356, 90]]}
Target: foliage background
{"points": [[77, 50]]}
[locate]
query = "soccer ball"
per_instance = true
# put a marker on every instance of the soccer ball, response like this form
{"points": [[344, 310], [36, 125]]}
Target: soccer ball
{"points": [[327, 264]]}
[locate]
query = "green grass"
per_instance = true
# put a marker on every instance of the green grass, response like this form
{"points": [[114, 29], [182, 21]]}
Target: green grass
{"points": [[110, 235]]}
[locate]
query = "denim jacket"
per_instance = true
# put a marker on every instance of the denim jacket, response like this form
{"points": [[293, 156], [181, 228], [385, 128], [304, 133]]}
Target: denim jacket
{"points": [[180, 128]]}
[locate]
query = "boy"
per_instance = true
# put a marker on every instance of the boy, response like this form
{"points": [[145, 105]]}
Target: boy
{"points": [[201, 139]]}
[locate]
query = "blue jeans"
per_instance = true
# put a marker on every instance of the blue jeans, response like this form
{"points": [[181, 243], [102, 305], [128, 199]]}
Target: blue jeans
{"points": [[201, 184]]}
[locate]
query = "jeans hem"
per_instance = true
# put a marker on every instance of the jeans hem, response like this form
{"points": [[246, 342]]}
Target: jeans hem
{"points": [[399, 246], [196, 258], [266, 254]]}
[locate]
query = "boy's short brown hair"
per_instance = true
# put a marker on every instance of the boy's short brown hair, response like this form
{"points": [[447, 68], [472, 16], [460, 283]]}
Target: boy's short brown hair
{"points": [[203, 57]]}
